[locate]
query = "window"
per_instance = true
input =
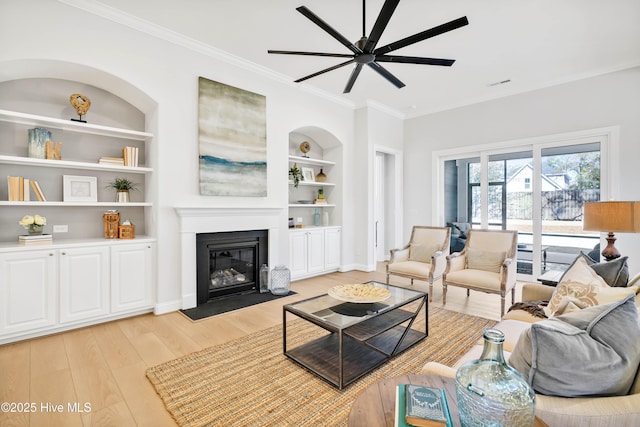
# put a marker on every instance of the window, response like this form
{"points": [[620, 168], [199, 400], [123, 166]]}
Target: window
{"points": [[539, 191]]}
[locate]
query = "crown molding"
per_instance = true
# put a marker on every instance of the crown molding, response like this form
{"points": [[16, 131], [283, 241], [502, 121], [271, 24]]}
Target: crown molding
{"points": [[118, 16]]}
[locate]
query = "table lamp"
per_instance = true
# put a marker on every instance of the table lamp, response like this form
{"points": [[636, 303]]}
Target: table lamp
{"points": [[623, 217]]}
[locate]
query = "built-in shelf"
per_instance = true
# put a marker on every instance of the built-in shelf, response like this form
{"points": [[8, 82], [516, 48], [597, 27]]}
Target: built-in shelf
{"points": [[30, 161], [310, 205], [69, 204], [314, 184], [68, 125], [310, 161]]}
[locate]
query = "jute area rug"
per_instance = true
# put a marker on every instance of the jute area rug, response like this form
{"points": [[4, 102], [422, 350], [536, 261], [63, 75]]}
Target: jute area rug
{"points": [[249, 382]]}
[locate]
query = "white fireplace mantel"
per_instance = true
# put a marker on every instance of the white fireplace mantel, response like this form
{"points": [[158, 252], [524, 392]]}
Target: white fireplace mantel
{"points": [[194, 220]]}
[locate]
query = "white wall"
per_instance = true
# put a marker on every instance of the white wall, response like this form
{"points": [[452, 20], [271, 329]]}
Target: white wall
{"points": [[608, 100], [375, 129], [45, 38]]}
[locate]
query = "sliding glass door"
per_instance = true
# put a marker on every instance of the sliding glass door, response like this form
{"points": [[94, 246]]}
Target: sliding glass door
{"points": [[540, 192]]}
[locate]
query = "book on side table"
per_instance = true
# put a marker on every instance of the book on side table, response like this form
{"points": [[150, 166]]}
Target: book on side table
{"points": [[421, 406]]}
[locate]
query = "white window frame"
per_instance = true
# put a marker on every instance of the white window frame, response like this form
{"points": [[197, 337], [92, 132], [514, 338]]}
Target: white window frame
{"points": [[607, 137]]}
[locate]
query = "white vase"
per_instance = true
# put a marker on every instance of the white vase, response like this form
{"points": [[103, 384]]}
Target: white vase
{"points": [[122, 197]]}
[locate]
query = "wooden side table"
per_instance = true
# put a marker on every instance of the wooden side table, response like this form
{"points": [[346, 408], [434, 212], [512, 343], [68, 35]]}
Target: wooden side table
{"points": [[376, 405]]}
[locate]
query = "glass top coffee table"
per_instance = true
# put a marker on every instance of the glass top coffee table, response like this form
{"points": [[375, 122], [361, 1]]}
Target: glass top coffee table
{"points": [[355, 338]]}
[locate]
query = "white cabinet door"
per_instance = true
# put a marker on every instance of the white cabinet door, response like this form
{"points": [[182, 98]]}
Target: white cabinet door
{"points": [[131, 276], [84, 283], [28, 290], [298, 253], [331, 248], [315, 249]]}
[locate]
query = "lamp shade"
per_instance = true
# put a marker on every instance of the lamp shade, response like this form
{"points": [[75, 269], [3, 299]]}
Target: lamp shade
{"points": [[623, 217]]}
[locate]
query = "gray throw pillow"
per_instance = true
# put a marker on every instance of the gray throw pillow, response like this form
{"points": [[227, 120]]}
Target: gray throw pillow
{"points": [[615, 273], [589, 352]]}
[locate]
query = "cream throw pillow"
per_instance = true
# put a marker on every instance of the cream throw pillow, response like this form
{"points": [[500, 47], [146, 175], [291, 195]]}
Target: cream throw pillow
{"points": [[422, 253], [582, 287], [485, 260]]}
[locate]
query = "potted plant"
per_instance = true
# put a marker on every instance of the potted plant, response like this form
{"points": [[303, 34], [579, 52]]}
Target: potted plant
{"points": [[122, 186], [295, 174]]}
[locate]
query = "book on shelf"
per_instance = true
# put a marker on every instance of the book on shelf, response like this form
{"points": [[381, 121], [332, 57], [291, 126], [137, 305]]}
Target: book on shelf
{"points": [[118, 161], [38, 191], [130, 155], [35, 239], [19, 189], [26, 190], [421, 406]]}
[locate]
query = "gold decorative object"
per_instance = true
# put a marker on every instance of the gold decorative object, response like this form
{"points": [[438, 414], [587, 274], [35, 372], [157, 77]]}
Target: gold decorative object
{"points": [[127, 231], [81, 103], [111, 223], [321, 177], [305, 147], [53, 151]]}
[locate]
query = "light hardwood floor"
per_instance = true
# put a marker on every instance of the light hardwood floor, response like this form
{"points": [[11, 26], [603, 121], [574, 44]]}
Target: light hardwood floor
{"points": [[104, 365]]}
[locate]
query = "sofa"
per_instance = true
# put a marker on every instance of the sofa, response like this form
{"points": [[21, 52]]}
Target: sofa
{"points": [[618, 410]]}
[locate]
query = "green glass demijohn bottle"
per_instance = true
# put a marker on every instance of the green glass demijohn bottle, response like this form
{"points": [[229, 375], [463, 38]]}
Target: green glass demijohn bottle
{"points": [[492, 393]]}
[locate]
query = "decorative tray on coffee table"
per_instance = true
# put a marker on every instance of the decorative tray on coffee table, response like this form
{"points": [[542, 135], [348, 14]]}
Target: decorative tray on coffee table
{"points": [[359, 293]]}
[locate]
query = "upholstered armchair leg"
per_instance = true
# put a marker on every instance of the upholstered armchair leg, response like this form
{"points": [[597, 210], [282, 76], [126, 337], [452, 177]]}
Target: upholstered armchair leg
{"points": [[444, 293], [387, 278], [468, 292], [502, 299], [430, 291], [412, 281], [513, 295]]}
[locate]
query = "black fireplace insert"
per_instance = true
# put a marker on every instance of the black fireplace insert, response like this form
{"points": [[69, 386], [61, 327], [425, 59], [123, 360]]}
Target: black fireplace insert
{"points": [[229, 262]]}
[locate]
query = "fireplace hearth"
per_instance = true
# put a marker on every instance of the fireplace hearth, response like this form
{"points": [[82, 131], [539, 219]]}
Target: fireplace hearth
{"points": [[229, 262]]}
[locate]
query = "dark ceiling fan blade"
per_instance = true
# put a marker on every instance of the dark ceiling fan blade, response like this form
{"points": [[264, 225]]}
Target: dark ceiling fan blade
{"points": [[415, 60], [387, 75], [352, 78], [326, 70], [295, 52], [432, 32], [381, 23], [336, 35]]}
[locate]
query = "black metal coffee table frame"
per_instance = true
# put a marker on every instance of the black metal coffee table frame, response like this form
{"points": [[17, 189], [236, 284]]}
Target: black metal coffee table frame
{"points": [[357, 342]]}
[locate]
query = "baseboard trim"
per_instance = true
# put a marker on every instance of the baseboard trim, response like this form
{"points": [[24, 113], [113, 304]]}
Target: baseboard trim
{"points": [[167, 307]]}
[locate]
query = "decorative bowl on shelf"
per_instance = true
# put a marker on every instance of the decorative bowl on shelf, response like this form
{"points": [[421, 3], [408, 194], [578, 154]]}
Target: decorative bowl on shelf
{"points": [[305, 202]]}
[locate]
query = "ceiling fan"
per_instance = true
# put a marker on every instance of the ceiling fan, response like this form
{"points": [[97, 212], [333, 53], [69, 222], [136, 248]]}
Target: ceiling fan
{"points": [[364, 51]]}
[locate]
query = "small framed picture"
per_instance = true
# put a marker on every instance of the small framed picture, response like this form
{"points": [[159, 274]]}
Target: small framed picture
{"points": [[80, 188], [308, 174]]}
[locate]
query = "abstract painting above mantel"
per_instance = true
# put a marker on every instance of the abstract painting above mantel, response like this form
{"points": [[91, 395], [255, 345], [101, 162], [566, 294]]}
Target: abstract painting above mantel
{"points": [[232, 141]]}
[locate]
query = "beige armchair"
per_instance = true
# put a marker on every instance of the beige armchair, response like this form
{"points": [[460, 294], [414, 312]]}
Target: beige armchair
{"points": [[424, 257], [486, 264]]}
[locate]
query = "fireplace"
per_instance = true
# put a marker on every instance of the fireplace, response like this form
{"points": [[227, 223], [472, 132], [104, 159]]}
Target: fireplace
{"points": [[229, 262]]}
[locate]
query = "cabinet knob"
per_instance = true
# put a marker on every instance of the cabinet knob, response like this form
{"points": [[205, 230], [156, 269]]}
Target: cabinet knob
{"points": [[50, 254], [64, 253]]}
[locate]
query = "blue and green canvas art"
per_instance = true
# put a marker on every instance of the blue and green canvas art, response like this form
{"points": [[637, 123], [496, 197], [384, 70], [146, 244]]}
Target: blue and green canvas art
{"points": [[232, 141]]}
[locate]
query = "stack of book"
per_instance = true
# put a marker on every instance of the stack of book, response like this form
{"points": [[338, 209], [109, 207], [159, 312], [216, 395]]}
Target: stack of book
{"points": [[130, 155], [421, 406], [19, 189], [35, 239], [115, 161]]}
